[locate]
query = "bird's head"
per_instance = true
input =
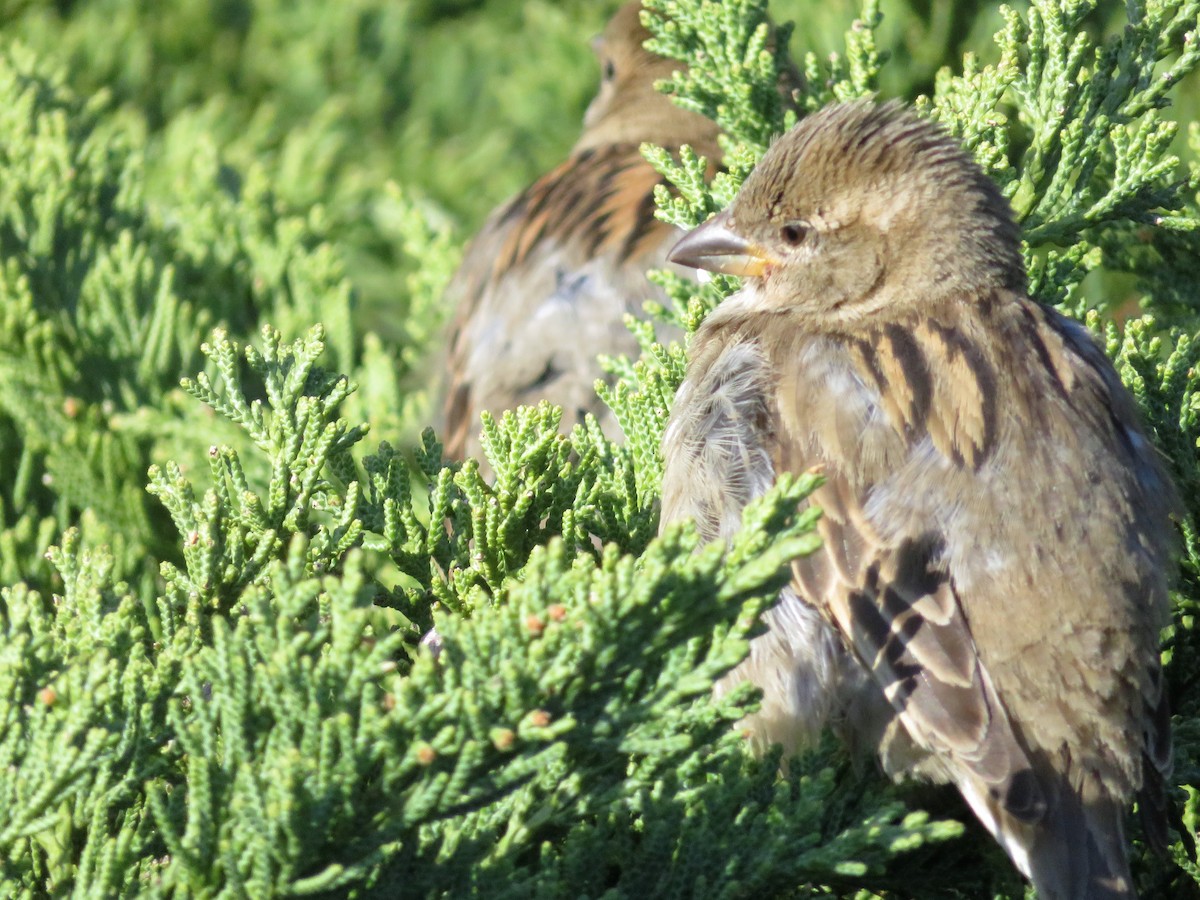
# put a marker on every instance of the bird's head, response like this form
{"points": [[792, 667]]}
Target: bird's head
{"points": [[860, 211], [628, 108]]}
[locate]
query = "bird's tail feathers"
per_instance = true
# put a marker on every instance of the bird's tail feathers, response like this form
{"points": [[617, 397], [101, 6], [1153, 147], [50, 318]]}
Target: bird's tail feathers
{"points": [[1075, 851]]}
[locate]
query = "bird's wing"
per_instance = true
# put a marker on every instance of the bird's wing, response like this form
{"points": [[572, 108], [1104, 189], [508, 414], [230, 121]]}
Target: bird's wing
{"points": [[548, 279], [874, 408], [897, 610]]}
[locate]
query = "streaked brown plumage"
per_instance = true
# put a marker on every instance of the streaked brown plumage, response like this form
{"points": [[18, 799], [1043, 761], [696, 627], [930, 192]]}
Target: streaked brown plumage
{"points": [[986, 605], [544, 287]]}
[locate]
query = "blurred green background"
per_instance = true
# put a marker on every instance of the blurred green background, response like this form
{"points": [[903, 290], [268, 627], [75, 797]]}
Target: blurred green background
{"points": [[461, 103]]}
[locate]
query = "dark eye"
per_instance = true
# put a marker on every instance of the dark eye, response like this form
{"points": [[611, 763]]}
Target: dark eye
{"points": [[610, 71], [794, 233]]}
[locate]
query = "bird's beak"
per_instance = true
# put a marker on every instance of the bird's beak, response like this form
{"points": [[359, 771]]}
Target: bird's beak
{"points": [[715, 246]]}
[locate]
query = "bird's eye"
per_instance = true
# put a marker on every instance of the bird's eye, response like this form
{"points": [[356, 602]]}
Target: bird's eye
{"points": [[610, 70], [794, 233]]}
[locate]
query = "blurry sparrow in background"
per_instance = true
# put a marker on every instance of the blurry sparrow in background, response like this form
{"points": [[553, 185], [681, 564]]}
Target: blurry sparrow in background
{"points": [[986, 606], [544, 286]]}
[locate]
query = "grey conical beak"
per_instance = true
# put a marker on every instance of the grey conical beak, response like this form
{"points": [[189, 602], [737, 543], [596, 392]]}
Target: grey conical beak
{"points": [[716, 247]]}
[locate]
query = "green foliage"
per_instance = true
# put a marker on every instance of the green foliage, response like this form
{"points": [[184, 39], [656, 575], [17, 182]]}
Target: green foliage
{"points": [[1087, 166], [221, 683], [265, 731], [332, 100], [740, 88], [104, 303]]}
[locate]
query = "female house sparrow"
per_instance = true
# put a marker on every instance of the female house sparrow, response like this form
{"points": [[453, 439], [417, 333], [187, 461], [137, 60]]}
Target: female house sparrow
{"points": [[996, 531], [544, 287]]}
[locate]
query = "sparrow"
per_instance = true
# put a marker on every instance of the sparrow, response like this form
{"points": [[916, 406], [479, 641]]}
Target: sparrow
{"points": [[997, 537], [543, 289]]}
